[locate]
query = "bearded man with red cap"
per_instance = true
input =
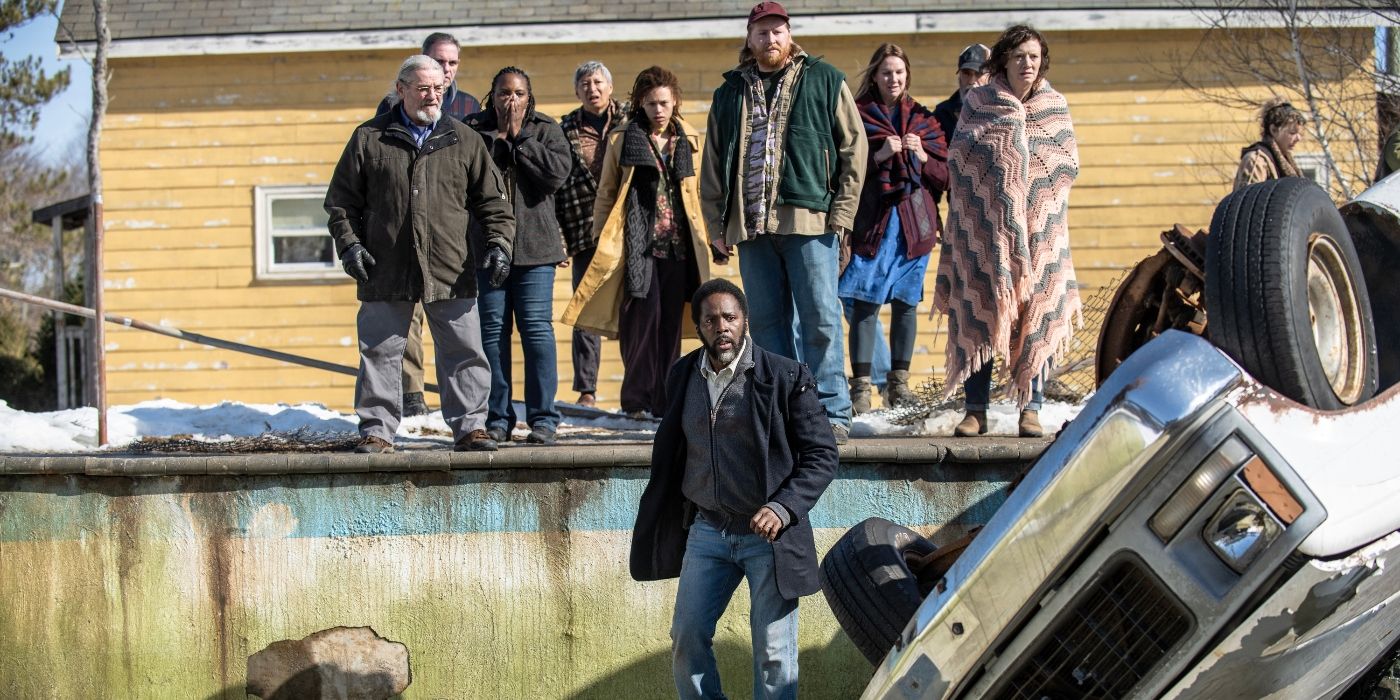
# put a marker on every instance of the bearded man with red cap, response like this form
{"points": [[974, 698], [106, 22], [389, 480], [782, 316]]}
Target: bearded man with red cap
{"points": [[781, 178]]}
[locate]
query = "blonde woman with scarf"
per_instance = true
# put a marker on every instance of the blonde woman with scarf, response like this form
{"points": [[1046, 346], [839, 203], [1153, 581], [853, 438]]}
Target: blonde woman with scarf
{"points": [[896, 225], [1005, 278]]}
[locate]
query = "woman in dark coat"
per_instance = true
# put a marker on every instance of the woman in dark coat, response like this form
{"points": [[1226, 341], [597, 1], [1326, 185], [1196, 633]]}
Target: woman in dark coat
{"points": [[896, 226], [534, 159]]}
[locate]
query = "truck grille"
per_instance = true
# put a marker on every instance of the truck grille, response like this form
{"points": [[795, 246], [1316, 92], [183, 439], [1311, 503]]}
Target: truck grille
{"points": [[1109, 640]]}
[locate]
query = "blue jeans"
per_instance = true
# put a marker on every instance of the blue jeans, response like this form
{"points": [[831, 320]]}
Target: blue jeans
{"points": [[797, 274], [714, 563], [528, 296], [978, 390]]}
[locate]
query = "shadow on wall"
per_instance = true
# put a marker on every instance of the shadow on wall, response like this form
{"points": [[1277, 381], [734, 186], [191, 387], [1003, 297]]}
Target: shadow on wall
{"points": [[823, 673], [300, 689]]}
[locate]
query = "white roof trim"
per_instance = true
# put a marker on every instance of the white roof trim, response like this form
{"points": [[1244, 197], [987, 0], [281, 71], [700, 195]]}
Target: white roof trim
{"points": [[617, 31]]}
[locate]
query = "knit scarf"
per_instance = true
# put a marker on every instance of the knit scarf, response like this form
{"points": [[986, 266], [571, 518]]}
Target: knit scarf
{"points": [[1283, 163], [643, 196], [900, 176], [763, 156], [1005, 278]]}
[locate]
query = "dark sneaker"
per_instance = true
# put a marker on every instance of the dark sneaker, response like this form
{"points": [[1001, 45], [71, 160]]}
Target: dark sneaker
{"points": [[414, 405], [540, 436], [370, 444], [841, 432], [476, 441], [498, 434]]}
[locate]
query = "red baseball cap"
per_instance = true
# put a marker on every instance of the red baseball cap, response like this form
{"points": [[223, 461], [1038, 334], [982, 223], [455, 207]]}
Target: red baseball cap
{"points": [[767, 9]]}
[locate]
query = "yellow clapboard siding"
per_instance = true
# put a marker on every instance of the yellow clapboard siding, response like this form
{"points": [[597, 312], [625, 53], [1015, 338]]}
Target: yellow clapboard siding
{"points": [[139, 179], [189, 217], [276, 153], [339, 293], [209, 321], [226, 136], [337, 332], [124, 261], [347, 116], [206, 358], [179, 238], [1186, 194], [177, 198]]}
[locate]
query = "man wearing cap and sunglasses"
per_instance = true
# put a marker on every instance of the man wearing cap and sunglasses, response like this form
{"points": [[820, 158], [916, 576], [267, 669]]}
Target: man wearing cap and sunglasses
{"points": [[781, 180], [970, 75]]}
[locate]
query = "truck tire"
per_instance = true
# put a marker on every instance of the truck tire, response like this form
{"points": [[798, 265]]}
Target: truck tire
{"points": [[1285, 295], [868, 583]]}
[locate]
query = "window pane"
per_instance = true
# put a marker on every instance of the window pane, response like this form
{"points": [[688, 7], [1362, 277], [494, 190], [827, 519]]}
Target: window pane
{"points": [[294, 213], [302, 249]]}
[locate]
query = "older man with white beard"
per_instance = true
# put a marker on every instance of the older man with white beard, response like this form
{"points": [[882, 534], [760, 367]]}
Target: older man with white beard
{"points": [[409, 189], [784, 162]]}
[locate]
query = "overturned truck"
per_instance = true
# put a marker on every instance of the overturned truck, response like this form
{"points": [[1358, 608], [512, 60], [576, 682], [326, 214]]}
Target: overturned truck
{"points": [[1219, 521]]}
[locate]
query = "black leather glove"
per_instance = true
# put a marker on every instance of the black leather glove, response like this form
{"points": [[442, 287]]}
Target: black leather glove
{"points": [[357, 261], [497, 262]]}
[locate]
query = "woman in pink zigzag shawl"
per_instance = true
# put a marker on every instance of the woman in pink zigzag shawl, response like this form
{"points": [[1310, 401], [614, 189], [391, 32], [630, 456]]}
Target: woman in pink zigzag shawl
{"points": [[1005, 278]]}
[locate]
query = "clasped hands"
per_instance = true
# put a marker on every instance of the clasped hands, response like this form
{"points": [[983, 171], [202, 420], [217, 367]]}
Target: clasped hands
{"points": [[897, 144]]}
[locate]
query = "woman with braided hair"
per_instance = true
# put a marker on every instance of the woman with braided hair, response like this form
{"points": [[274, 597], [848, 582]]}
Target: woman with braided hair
{"points": [[534, 159], [1271, 157], [1005, 278]]}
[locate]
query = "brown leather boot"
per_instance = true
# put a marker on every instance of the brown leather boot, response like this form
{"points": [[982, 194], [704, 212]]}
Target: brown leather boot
{"points": [[860, 395], [972, 425], [1030, 424]]}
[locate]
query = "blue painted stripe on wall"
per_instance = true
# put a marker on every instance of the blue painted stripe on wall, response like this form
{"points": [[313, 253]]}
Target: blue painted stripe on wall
{"points": [[363, 505]]}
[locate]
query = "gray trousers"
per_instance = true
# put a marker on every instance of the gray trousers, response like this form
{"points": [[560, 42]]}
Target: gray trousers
{"points": [[413, 355], [463, 374]]}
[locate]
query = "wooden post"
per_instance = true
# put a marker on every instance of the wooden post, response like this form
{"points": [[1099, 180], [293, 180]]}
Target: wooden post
{"points": [[99, 109], [60, 338]]}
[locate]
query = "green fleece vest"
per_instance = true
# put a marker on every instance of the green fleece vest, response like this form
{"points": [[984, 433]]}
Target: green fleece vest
{"points": [[808, 177]]}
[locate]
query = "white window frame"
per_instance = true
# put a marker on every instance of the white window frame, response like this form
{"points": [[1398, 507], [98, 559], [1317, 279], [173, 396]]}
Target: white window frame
{"points": [[268, 270], [1318, 163]]}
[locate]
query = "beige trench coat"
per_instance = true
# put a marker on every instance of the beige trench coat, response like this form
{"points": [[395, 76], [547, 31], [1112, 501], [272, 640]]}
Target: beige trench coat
{"points": [[597, 303]]}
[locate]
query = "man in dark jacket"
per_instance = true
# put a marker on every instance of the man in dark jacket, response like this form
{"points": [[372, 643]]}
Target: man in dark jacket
{"points": [[740, 458], [407, 189], [441, 47], [969, 76], [534, 158], [784, 161]]}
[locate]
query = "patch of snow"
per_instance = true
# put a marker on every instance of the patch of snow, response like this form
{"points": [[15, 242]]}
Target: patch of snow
{"points": [[75, 430]]}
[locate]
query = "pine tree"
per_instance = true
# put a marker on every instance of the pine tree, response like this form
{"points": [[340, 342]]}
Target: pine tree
{"points": [[24, 86]]}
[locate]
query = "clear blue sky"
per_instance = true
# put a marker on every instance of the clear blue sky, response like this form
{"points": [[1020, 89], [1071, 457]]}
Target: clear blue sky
{"points": [[64, 119]]}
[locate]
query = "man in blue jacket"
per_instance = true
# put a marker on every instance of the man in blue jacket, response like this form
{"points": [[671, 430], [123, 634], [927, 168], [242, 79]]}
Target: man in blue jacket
{"points": [[740, 458]]}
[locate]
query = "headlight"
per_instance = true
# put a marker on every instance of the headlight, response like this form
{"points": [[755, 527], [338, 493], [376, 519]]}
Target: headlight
{"points": [[1241, 530], [1213, 472]]}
